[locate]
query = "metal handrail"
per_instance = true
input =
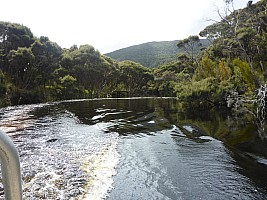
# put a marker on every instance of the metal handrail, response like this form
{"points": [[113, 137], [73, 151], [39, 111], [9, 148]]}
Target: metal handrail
{"points": [[10, 167]]}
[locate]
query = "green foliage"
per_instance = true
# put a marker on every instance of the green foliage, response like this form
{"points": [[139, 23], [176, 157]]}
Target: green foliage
{"points": [[166, 77], [183, 57], [68, 81], [151, 54], [234, 61], [206, 68], [134, 77], [36, 69], [201, 90], [22, 67], [172, 67], [223, 71], [191, 46], [22, 96], [3, 84], [14, 35], [203, 93], [209, 68], [68, 88], [243, 74]]}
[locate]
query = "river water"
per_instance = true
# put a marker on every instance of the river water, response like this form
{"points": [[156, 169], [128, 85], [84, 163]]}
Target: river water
{"points": [[142, 148]]}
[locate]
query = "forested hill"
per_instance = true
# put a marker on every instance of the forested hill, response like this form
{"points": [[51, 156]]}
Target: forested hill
{"points": [[151, 54], [36, 69]]}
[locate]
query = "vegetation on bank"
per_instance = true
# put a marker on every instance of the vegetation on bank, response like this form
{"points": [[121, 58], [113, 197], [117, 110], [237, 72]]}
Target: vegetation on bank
{"points": [[34, 70], [234, 62]]}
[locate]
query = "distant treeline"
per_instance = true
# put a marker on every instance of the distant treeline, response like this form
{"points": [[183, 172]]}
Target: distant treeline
{"points": [[34, 70], [153, 54]]}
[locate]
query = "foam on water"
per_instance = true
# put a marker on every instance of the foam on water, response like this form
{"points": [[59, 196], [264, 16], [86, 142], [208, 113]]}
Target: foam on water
{"points": [[126, 149], [101, 168], [61, 158]]}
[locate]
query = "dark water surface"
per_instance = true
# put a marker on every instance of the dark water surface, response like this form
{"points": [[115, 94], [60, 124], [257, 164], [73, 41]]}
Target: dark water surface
{"points": [[144, 148]]}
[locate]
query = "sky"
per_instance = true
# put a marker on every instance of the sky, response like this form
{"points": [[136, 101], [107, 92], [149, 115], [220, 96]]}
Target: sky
{"points": [[109, 25]]}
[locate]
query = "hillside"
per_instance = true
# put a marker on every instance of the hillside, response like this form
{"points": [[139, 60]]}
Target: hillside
{"points": [[151, 54]]}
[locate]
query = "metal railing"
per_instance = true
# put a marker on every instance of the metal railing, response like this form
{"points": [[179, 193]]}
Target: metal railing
{"points": [[10, 167]]}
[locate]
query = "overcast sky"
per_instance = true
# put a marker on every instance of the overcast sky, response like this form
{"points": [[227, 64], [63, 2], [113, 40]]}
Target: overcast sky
{"points": [[109, 25]]}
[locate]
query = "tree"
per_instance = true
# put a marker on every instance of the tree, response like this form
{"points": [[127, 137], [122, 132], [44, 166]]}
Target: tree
{"points": [[69, 87], [47, 56], [135, 77], [21, 66], [96, 73], [241, 34], [12, 36], [191, 46], [3, 84]]}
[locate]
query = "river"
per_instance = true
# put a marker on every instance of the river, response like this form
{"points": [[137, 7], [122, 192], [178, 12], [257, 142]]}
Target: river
{"points": [[139, 148]]}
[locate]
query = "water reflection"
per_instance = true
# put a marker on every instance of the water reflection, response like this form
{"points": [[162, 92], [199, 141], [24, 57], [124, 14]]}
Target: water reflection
{"points": [[240, 137], [144, 148]]}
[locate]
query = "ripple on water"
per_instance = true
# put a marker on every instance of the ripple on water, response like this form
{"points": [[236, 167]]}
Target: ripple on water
{"points": [[69, 151], [60, 157]]}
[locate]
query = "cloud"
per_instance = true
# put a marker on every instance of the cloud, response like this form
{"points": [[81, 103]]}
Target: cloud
{"points": [[110, 24]]}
